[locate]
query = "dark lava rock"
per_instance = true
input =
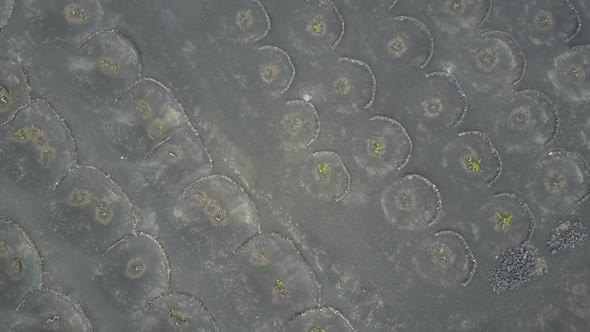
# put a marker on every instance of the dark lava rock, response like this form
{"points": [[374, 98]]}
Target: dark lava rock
{"points": [[567, 234], [517, 266]]}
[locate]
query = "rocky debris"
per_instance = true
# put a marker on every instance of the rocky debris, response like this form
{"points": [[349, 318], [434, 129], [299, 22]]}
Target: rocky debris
{"points": [[518, 265], [567, 234]]}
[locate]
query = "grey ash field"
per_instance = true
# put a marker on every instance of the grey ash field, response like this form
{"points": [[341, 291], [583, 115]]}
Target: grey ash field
{"points": [[294, 165]]}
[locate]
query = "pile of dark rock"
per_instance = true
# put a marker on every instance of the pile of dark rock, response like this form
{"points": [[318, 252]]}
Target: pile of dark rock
{"points": [[518, 265], [566, 235]]}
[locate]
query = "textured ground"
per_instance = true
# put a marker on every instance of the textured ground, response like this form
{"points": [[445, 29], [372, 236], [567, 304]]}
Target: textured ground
{"points": [[294, 165]]}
